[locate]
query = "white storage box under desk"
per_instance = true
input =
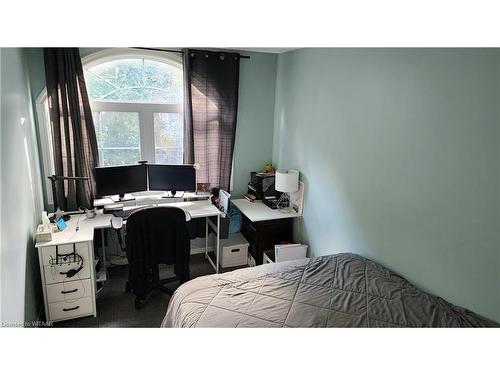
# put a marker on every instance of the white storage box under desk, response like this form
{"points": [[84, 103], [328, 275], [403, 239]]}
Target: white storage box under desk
{"points": [[233, 251]]}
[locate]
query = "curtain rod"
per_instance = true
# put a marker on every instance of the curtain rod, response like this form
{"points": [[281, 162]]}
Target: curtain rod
{"points": [[176, 51]]}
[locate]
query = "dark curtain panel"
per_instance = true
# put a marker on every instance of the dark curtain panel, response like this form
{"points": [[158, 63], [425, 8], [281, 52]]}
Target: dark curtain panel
{"points": [[210, 107], [73, 133]]}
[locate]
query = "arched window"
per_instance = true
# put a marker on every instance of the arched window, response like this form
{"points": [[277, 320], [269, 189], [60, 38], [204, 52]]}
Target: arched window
{"points": [[136, 101], [136, 98]]}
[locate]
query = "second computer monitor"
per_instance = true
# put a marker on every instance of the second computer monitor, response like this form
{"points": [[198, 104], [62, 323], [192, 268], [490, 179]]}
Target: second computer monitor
{"points": [[171, 177]]}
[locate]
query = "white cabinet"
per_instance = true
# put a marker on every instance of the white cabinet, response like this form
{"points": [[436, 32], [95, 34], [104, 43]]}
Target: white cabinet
{"points": [[68, 295]]}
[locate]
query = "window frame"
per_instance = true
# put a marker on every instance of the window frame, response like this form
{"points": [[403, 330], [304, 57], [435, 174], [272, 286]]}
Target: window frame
{"points": [[146, 120], [145, 110], [45, 136]]}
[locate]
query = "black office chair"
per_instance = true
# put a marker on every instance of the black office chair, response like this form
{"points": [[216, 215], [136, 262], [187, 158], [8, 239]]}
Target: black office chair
{"points": [[154, 236]]}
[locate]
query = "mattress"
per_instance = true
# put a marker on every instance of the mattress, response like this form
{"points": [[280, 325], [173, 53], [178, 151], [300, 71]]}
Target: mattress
{"points": [[341, 290]]}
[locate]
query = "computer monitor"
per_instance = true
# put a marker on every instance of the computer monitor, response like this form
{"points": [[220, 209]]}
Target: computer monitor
{"points": [[171, 178], [120, 180]]}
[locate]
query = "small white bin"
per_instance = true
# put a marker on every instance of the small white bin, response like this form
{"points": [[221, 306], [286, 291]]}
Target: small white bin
{"points": [[233, 251]]}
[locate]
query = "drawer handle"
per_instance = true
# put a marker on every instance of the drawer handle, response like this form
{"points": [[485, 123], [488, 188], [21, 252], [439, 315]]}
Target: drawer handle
{"points": [[69, 291], [235, 250], [71, 308]]}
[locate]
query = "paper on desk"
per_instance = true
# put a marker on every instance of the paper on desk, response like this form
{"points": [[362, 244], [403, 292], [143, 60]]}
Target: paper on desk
{"points": [[297, 199], [224, 200]]}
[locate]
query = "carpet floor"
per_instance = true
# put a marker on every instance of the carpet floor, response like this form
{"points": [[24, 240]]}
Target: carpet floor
{"points": [[115, 308]]}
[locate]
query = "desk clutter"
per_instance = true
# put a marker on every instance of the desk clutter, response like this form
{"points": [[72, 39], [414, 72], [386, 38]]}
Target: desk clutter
{"points": [[262, 187], [280, 189], [44, 231]]}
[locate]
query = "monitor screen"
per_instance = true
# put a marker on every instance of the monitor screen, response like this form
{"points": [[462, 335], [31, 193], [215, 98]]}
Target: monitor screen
{"points": [[121, 180], [171, 177]]}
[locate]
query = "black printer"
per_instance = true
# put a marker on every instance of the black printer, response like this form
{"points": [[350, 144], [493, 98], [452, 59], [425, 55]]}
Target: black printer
{"points": [[261, 187]]}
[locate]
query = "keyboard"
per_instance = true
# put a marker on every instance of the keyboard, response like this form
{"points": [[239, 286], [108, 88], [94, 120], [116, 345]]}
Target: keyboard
{"points": [[126, 213]]}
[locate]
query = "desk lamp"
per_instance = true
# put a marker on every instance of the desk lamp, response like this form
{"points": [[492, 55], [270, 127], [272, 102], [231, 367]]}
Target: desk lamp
{"points": [[57, 211], [287, 181]]}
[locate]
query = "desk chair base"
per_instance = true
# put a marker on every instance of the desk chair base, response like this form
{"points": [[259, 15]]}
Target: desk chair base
{"points": [[155, 285]]}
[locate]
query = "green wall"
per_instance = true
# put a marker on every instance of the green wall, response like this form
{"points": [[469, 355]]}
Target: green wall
{"points": [[21, 194], [254, 132], [399, 150]]}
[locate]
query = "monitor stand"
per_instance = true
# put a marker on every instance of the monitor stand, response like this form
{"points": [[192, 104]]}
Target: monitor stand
{"points": [[122, 198], [173, 194]]}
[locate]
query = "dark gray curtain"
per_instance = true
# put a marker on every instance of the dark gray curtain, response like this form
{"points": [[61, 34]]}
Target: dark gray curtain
{"points": [[73, 133], [211, 82]]}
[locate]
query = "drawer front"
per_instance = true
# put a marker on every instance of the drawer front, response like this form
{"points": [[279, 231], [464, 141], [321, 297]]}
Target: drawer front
{"points": [[69, 291], [49, 252], [53, 273], [66, 310]]}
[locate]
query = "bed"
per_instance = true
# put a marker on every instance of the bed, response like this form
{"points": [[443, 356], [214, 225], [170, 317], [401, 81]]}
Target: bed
{"points": [[341, 290]]}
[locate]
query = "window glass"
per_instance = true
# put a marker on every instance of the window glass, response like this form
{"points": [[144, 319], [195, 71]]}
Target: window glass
{"points": [[135, 80], [168, 133], [118, 137]]}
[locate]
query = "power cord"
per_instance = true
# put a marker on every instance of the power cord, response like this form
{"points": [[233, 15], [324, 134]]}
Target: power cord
{"points": [[82, 212]]}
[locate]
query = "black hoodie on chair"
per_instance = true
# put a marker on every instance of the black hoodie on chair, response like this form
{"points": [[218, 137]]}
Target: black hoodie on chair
{"points": [[156, 235]]}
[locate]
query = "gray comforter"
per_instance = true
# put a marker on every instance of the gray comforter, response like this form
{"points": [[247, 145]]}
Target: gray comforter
{"points": [[342, 290]]}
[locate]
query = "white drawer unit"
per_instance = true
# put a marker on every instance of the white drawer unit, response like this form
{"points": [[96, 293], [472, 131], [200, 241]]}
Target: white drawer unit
{"points": [[68, 280]]}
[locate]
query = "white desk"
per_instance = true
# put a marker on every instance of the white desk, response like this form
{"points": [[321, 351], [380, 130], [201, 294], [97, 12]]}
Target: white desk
{"points": [[59, 304], [146, 199], [258, 211], [197, 209]]}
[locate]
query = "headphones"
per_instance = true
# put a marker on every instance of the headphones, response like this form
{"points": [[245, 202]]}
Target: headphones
{"points": [[72, 272]]}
